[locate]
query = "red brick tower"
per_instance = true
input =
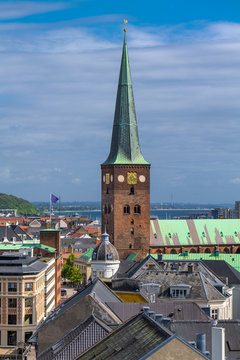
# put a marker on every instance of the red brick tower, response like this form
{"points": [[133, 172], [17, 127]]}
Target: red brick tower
{"points": [[126, 175]]}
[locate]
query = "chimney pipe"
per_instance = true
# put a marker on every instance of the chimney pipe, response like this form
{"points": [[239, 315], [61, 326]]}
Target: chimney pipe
{"points": [[201, 342], [166, 322], [158, 318], [146, 310], [218, 343], [151, 314]]}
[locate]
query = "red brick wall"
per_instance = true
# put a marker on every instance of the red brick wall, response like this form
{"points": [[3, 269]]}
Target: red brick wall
{"points": [[118, 224], [52, 238]]}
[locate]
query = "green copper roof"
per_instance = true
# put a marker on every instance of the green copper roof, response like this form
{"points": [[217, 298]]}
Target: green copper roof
{"points": [[125, 148], [87, 256]]}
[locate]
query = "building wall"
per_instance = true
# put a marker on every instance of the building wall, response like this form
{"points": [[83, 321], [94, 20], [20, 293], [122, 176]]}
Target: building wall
{"points": [[130, 233], [84, 268], [51, 238], [174, 350], [22, 309]]}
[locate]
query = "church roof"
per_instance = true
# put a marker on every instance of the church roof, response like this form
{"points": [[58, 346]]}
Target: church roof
{"points": [[125, 148]]}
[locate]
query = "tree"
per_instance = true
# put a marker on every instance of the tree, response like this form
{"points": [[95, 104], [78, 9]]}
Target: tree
{"points": [[71, 272], [75, 275]]}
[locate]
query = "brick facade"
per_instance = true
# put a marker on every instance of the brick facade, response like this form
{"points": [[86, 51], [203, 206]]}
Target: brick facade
{"points": [[51, 238], [129, 232]]}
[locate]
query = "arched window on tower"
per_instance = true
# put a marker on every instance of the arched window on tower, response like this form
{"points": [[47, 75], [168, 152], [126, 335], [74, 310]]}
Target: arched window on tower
{"points": [[132, 231], [107, 191], [137, 209], [126, 209], [131, 191]]}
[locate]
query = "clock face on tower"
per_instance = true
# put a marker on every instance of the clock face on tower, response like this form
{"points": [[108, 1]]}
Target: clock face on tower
{"points": [[132, 178]]}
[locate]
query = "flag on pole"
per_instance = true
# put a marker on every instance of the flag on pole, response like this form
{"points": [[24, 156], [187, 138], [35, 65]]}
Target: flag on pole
{"points": [[54, 199]]}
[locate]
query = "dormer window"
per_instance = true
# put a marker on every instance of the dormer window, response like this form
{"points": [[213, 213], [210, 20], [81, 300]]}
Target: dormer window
{"points": [[180, 290]]}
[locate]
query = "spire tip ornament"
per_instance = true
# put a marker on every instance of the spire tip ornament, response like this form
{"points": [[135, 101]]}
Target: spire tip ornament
{"points": [[125, 23]]}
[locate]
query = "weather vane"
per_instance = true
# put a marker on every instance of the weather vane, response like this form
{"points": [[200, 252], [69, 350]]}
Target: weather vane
{"points": [[125, 23]]}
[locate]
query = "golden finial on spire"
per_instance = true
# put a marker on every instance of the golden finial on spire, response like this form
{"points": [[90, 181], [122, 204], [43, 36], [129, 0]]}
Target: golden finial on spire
{"points": [[125, 23]]}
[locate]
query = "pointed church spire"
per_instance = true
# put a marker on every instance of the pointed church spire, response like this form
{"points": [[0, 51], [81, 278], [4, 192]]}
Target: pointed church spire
{"points": [[125, 148]]}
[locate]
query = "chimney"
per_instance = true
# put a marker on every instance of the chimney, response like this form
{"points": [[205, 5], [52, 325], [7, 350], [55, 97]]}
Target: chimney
{"points": [[158, 318], [190, 268], [201, 342], [166, 322], [151, 314], [218, 343], [146, 310]]}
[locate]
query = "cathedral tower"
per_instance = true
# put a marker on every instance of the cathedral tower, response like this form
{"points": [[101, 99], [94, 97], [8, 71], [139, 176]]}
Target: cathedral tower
{"points": [[126, 175]]}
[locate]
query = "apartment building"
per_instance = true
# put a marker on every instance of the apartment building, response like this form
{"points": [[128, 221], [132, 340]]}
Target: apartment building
{"points": [[27, 289]]}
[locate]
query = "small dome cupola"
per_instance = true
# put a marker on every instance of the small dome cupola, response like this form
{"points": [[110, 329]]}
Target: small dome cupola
{"points": [[105, 251], [105, 259]]}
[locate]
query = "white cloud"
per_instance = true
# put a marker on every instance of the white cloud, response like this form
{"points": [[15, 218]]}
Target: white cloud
{"points": [[235, 181], [18, 9], [57, 97]]}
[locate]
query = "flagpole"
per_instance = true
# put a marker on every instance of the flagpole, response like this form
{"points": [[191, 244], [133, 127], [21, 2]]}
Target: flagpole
{"points": [[50, 212]]}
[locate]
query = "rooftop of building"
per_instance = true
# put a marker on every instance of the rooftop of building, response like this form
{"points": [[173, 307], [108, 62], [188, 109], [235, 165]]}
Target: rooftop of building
{"points": [[20, 264], [194, 232], [174, 310], [125, 147], [130, 341], [188, 329]]}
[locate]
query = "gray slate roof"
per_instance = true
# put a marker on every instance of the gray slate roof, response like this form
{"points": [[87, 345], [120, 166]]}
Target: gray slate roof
{"points": [[97, 288], [223, 270], [176, 311], [19, 264], [201, 288], [76, 341]]}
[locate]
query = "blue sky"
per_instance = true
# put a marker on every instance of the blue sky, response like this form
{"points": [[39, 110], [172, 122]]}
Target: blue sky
{"points": [[59, 66]]}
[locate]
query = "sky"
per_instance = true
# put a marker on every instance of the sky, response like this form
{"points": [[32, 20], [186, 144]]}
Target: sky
{"points": [[59, 67]]}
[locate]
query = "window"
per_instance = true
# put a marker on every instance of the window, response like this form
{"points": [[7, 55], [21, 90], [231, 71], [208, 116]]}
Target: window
{"points": [[131, 191], [214, 314], [27, 335], [178, 291], [12, 319], [126, 209], [28, 319], [28, 286], [12, 287], [137, 209], [132, 231], [12, 338], [28, 302], [12, 303], [109, 209]]}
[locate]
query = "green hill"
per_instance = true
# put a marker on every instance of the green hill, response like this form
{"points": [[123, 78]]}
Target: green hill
{"points": [[13, 202]]}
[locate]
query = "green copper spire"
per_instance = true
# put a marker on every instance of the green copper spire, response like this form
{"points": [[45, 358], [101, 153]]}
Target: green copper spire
{"points": [[125, 148]]}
